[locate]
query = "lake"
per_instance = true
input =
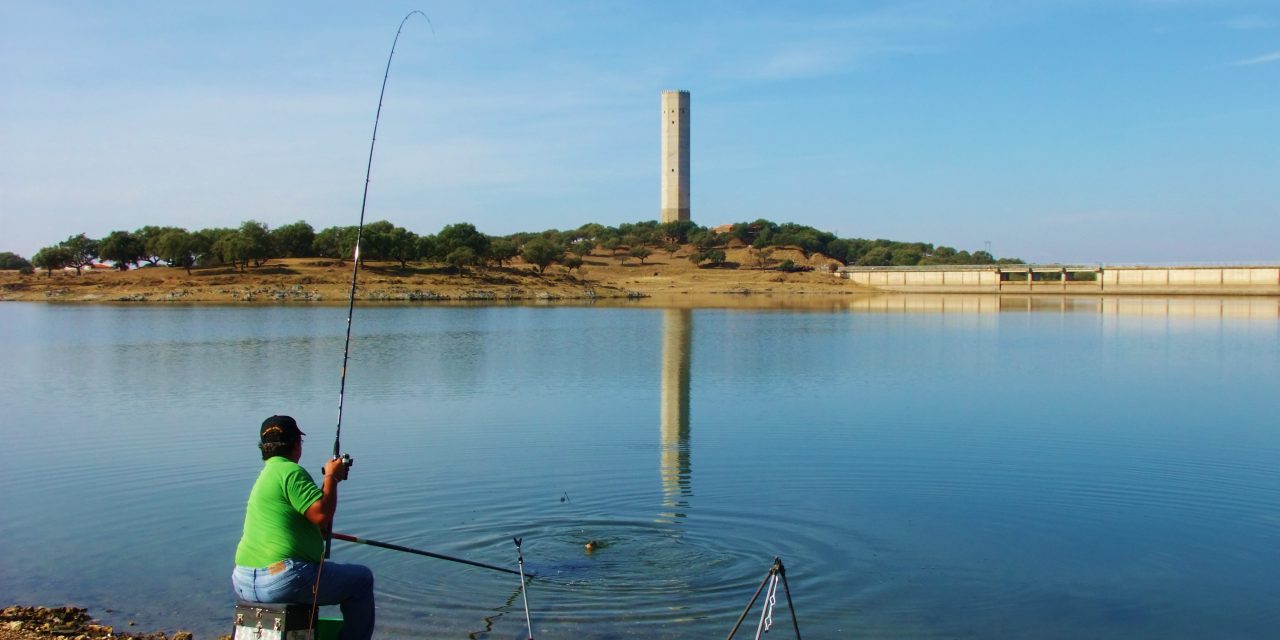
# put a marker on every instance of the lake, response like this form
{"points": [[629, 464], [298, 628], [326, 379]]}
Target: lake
{"points": [[925, 466]]}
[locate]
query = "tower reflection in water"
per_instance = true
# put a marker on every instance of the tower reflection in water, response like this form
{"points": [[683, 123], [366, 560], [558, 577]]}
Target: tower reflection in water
{"points": [[674, 467]]}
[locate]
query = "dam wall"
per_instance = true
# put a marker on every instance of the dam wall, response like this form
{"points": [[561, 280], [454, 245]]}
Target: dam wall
{"points": [[1261, 280]]}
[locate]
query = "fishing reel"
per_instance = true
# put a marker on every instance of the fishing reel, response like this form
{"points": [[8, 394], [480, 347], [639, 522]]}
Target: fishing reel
{"points": [[346, 461]]}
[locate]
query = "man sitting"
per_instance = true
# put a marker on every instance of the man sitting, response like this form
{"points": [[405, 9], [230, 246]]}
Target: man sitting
{"points": [[280, 557]]}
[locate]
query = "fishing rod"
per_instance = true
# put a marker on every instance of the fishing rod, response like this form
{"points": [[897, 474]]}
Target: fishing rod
{"points": [[429, 554], [355, 260], [524, 593]]}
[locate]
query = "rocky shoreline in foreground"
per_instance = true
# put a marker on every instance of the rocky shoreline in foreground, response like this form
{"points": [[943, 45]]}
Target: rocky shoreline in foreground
{"points": [[20, 622]]}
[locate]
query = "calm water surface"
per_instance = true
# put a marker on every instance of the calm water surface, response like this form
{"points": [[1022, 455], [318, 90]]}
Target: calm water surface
{"points": [[928, 467]]}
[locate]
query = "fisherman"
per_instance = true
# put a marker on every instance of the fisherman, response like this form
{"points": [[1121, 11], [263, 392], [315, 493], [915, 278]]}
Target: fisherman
{"points": [[280, 557]]}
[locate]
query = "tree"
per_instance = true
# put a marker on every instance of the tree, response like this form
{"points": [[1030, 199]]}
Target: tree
{"points": [[591, 231], [428, 248], [257, 242], [611, 244], [123, 248], [705, 239], [762, 256], [671, 249], [714, 256], [906, 256], [402, 245], [647, 232], [840, 249], [335, 242], [876, 257], [944, 254], [502, 250], [540, 252], [641, 252], [13, 262], [582, 248], [571, 262], [178, 249], [232, 248], [464, 234], [81, 251], [294, 240], [375, 241], [750, 232], [205, 239], [677, 231], [149, 236], [808, 239], [50, 258], [461, 258]]}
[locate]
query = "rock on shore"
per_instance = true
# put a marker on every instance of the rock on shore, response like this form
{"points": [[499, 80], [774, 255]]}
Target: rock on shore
{"points": [[67, 623]]}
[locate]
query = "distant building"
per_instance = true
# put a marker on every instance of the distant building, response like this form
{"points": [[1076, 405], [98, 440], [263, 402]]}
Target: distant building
{"points": [[675, 156]]}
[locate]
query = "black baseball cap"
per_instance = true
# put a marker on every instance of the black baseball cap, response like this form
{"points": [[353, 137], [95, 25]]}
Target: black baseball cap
{"points": [[280, 429]]}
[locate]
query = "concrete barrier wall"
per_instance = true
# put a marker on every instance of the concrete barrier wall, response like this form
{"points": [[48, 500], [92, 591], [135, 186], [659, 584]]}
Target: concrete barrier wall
{"points": [[1191, 277], [1220, 280], [906, 279]]}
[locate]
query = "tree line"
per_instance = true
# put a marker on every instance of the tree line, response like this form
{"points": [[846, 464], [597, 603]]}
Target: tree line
{"points": [[461, 246]]}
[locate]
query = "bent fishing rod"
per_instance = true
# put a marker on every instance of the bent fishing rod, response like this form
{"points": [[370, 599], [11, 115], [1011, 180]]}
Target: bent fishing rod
{"points": [[355, 260]]}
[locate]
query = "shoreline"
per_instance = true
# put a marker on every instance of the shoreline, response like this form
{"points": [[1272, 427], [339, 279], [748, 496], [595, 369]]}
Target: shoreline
{"points": [[308, 280], [24, 622], [668, 280]]}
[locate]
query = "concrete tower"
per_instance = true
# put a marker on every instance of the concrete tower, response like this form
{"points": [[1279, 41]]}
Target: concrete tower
{"points": [[675, 156]]}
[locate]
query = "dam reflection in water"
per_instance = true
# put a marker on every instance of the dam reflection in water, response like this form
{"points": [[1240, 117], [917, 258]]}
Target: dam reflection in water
{"points": [[674, 467]]}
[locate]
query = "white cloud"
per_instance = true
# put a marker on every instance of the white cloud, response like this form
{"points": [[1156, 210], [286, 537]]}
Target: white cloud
{"points": [[1274, 56], [800, 63]]}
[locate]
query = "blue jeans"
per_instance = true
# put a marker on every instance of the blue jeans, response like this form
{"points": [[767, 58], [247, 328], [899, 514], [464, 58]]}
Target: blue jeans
{"points": [[348, 585]]}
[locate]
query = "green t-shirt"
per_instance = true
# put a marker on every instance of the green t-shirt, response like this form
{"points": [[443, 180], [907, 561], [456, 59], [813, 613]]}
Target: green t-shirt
{"points": [[275, 527]]}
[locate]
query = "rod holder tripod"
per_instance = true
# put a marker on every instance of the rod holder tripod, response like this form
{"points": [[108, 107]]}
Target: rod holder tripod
{"points": [[777, 573]]}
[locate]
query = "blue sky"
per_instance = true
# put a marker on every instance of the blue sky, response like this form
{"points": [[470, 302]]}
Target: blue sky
{"points": [[1071, 130]]}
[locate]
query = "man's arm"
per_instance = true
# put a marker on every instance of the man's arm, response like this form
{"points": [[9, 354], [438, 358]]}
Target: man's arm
{"points": [[320, 513]]}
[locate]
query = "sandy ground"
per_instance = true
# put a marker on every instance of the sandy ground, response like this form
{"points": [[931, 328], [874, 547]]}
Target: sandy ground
{"points": [[602, 276]]}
